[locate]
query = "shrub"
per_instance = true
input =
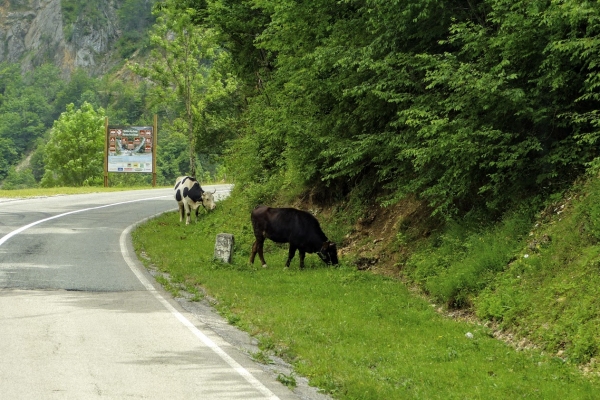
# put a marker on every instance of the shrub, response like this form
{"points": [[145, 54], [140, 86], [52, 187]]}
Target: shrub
{"points": [[464, 259]]}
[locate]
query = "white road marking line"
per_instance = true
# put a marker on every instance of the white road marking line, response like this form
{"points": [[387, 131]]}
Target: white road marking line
{"points": [[149, 287], [21, 229], [205, 339]]}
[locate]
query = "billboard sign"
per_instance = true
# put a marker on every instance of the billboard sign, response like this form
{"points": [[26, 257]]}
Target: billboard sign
{"points": [[130, 148]]}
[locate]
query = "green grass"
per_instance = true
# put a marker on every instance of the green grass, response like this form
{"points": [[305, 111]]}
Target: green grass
{"points": [[40, 192], [456, 264], [551, 291], [354, 334]]}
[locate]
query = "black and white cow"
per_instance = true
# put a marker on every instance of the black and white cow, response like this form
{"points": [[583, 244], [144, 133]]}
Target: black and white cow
{"points": [[288, 225], [190, 196]]}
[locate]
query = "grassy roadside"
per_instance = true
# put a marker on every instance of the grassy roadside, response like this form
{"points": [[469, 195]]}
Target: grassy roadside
{"points": [[355, 335], [41, 192], [550, 293]]}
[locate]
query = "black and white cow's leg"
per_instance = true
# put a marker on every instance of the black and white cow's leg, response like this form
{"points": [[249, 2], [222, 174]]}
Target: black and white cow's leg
{"points": [[181, 212], [187, 213], [290, 255]]}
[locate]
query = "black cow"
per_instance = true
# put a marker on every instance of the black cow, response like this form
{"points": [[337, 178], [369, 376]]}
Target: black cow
{"points": [[288, 225], [190, 196]]}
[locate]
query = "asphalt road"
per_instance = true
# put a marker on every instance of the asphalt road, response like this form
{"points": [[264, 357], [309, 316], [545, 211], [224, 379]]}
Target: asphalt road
{"points": [[81, 318]]}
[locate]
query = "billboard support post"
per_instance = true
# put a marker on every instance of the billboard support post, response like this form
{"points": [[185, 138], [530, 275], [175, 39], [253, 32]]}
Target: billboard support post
{"points": [[105, 151], [155, 141]]}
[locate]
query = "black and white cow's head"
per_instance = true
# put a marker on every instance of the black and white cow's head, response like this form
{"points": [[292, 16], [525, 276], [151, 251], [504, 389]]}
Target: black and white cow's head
{"points": [[208, 200]]}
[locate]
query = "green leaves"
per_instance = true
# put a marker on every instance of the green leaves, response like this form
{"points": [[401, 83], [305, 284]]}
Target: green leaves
{"points": [[187, 68], [467, 106], [74, 152]]}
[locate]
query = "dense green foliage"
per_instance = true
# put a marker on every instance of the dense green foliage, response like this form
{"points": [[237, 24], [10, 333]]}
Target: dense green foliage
{"points": [[74, 9], [31, 103], [189, 69], [470, 105], [485, 110], [466, 104], [134, 18], [27, 109], [462, 259], [74, 154]]}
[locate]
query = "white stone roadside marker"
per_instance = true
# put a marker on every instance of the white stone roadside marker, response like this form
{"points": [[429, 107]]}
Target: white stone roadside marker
{"points": [[224, 247]]}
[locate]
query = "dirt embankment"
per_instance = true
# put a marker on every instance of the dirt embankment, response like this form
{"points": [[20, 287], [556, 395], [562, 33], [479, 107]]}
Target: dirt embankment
{"points": [[383, 237]]}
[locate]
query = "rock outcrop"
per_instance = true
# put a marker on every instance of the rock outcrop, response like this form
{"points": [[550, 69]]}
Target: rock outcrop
{"points": [[32, 32]]}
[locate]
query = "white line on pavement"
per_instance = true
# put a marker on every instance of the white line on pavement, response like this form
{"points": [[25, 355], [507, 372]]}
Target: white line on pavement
{"points": [[205, 339], [21, 229]]}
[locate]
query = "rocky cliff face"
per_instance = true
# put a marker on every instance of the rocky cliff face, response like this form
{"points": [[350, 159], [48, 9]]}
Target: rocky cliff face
{"points": [[32, 32]]}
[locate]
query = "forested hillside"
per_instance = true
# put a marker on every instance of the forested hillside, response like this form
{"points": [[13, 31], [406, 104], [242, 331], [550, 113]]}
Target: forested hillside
{"points": [[61, 52], [469, 104], [94, 35], [58, 53]]}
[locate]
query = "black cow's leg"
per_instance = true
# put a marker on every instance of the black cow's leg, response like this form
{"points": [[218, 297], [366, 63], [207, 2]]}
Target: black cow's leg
{"points": [[259, 246], [290, 255], [253, 253], [301, 254], [197, 208]]}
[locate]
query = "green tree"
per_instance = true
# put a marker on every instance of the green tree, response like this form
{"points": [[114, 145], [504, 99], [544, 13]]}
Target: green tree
{"points": [[19, 179], [23, 118], [36, 162], [26, 106], [74, 153], [8, 155], [135, 19], [172, 156], [10, 76], [46, 81], [182, 66], [467, 105], [124, 102], [79, 83]]}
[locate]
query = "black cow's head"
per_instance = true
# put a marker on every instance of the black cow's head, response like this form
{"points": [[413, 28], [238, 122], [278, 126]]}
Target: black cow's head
{"points": [[328, 253]]}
